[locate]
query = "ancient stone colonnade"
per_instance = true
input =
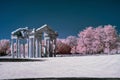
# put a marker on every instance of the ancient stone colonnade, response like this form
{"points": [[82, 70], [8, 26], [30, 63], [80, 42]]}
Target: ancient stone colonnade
{"points": [[34, 39]]}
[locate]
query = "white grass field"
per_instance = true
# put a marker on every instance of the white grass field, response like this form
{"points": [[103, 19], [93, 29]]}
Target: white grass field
{"points": [[104, 66]]}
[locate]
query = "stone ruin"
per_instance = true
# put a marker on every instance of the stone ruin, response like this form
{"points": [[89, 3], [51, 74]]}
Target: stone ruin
{"points": [[33, 38]]}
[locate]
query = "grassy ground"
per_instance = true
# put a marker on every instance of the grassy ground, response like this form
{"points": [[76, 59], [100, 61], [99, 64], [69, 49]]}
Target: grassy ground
{"points": [[103, 66]]}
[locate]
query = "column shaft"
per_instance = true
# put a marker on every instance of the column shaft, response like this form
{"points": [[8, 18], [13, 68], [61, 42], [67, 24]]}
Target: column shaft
{"points": [[51, 48], [48, 47], [28, 47], [23, 50], [37, 48], [33, 47], [19, 48], [45, 47], [55, 47], [12, 48], [40, 47]]}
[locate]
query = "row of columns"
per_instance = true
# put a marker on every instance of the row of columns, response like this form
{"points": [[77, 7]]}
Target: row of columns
{"points": [[50, 47], [35, 47], [18, 48]]}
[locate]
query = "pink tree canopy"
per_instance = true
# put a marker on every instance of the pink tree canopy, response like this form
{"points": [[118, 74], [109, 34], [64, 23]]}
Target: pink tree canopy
{"points": [[62, 47], [4, 46], [72, 42], [97, 40]]}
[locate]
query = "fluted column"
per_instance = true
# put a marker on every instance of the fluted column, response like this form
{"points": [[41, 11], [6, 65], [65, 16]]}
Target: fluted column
{"points": [[37, 48], [51, 49], [12, 48], [23, 50], [17, 47], [19, 54], [33, 43], [45, 47], [40, 47], [28, 47], [44, 50], [48, 47], [33, 46], [40, 50], [55, 47]]}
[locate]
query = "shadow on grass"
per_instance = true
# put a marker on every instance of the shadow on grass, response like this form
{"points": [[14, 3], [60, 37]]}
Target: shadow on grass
{"points": [[20, 60], [68, 79]]}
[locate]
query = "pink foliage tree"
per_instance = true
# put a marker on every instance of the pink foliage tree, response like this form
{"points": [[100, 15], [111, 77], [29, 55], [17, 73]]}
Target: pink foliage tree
{"points": [[4, 47], [62, 47], [111, 38], [97, 40], [85, 41], [72, 42]]}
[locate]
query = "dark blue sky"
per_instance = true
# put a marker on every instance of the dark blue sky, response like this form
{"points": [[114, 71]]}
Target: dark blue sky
{"points": [[68, 17]]}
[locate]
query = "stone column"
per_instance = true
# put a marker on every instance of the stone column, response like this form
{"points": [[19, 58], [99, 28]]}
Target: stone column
{"points": [[37, 48], [33, 46], [44, 51], [45, 45], [12, 48], [45, 48], [28, 47], [17, 47], [54, 47], [19, 54], [48, 47], [40, 48], [23, 50], [33, 43], [51, 49]]}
